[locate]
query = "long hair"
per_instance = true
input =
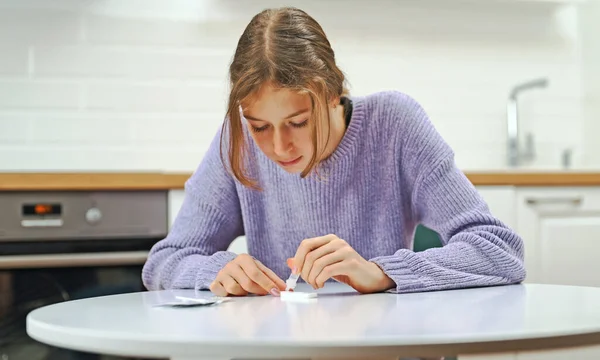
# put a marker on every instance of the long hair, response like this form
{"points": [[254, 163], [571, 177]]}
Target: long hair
{"points": [[286, 48]]}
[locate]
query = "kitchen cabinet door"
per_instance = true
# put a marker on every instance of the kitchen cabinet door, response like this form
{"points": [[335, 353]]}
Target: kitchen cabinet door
{"points": [[561, 231], [502, 202], [175, 201], [508, 356], [578, 353]]}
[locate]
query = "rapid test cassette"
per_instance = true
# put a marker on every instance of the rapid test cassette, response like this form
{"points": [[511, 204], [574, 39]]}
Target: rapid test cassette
{"points": [[297, 296]]}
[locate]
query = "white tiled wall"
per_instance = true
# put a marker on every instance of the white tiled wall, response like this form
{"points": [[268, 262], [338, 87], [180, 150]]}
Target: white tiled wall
{"points": [[137, 85], [590, 28]]}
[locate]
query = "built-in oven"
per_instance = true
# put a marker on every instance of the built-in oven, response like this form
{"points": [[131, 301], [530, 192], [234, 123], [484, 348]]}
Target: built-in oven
{"points": [[59, 246]]}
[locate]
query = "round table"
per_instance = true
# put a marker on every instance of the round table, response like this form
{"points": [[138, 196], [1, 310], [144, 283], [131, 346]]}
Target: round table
{"points": [[340, 323]]}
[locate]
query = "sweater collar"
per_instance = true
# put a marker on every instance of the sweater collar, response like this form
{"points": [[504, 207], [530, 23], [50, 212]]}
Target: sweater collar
{"points": [[348, 145]]}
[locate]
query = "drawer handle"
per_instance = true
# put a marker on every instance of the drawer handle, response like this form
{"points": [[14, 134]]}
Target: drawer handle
{"points": [[73, 260], [555, 200]]}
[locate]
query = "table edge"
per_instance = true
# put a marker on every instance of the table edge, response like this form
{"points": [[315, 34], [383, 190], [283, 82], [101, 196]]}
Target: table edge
{"points": [[85, 341]]}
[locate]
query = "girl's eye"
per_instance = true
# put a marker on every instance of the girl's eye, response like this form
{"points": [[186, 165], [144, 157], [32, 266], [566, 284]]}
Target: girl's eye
{"points": [[259, 129], [300, 125]]}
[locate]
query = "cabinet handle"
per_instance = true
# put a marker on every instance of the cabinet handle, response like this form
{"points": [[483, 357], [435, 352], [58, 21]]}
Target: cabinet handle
{"points": [[555, 200], [72, 260]]}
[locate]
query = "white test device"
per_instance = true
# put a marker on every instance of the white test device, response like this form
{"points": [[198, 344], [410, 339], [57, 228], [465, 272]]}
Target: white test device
{"points": [[297, 296], [290, 295]]}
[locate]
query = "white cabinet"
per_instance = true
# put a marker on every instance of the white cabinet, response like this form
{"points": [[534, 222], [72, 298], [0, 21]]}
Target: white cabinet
{"points": [[580, 353], [175, 202], [502, 202], [561, 231], [560, 227], [489, 357]]}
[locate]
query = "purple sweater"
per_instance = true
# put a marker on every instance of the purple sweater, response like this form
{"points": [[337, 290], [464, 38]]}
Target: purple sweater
{"points": [[391, 171]]}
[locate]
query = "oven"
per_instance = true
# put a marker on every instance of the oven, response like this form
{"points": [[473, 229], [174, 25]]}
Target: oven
{"points": [[59, 246]]}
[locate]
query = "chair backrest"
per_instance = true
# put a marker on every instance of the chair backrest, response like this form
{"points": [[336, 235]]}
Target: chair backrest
{"points": [[425, 238]]}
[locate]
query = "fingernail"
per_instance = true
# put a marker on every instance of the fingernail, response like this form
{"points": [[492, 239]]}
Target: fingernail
{"points": [[274, 291], [295, 270]]}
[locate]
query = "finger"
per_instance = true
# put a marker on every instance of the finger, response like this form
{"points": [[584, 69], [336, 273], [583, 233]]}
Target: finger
{"points": [[321, 263], [217, 288], [307, 246], [271, 274], [329, 271], [240, 276], [232, 287], [251, 269], [315, 255]]}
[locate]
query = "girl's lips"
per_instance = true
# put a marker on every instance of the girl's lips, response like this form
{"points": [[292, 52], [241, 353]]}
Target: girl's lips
{"points": [[290, 163]]}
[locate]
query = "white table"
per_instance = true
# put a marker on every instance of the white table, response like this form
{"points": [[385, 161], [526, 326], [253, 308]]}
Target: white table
{"points": [[341, 323]]}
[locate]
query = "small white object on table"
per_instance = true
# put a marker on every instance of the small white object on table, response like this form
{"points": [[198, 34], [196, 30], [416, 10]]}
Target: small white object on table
{"points": [[339, 323], [297, 296]]}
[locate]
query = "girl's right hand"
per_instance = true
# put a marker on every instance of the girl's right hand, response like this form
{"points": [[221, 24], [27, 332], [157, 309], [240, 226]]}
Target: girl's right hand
{"points": [[244, 275]]}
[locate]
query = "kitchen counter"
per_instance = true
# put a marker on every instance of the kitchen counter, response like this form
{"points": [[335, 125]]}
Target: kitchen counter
{"points": [[167, 181], [534, 178], [91, 181]]}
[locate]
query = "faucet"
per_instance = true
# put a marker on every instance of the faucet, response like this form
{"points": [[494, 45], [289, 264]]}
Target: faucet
{"points": [[516, 156]]}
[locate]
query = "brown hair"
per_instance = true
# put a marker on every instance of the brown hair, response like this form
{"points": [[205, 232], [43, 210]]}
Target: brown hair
{"points": [[287, 48]]}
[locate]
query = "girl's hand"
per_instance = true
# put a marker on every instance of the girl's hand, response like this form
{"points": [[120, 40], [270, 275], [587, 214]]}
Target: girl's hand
{"points": [[244, 275], [321, 258]]}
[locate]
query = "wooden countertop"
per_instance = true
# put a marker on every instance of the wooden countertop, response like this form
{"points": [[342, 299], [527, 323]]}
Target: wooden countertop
{"points": [[167, 181], [91, 181], [521, 178]]}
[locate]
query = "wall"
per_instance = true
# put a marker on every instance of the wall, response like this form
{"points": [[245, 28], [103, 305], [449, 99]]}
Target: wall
{"points": [[134, 85], [590, 30]]}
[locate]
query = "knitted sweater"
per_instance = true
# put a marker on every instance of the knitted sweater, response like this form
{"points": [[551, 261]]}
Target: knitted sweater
{"points": [[391, 171]]}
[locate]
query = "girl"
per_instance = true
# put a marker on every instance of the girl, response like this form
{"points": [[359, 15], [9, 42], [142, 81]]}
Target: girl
{"points": [[334, 183]]}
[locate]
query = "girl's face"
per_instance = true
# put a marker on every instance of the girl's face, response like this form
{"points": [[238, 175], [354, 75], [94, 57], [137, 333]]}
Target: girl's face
{"points": [[278, 120]]}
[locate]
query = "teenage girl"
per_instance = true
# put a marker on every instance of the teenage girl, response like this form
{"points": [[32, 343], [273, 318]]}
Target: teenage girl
{"points": [[324, 184]]}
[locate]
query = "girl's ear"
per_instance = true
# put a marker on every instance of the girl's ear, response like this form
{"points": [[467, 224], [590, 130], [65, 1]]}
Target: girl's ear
{"points": [[334, 102]]}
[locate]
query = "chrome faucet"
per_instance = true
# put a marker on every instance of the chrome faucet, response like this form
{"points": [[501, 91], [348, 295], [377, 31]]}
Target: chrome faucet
{"points": [[516, 156]]}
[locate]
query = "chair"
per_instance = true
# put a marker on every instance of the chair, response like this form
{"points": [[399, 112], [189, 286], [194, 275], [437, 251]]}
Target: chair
{"points": [[425, 238]]}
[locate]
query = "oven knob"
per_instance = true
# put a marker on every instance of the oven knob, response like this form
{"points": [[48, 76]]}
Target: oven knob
{"points": [[93, 215]]}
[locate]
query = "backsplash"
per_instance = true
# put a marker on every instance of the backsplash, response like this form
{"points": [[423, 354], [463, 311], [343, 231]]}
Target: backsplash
{"points": [[590, 28], [128, 85]]}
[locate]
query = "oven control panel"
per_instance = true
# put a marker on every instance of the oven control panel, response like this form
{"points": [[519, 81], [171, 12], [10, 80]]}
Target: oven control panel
{"points": [[59, 215], [41, 215]]}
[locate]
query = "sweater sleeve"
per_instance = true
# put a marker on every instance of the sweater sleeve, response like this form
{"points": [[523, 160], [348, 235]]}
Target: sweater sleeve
{"points": [[195, 249], [478, 249]]}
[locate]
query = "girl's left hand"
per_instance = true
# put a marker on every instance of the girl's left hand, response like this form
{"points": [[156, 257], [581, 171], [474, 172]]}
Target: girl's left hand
{"points": [[321, 258]]}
